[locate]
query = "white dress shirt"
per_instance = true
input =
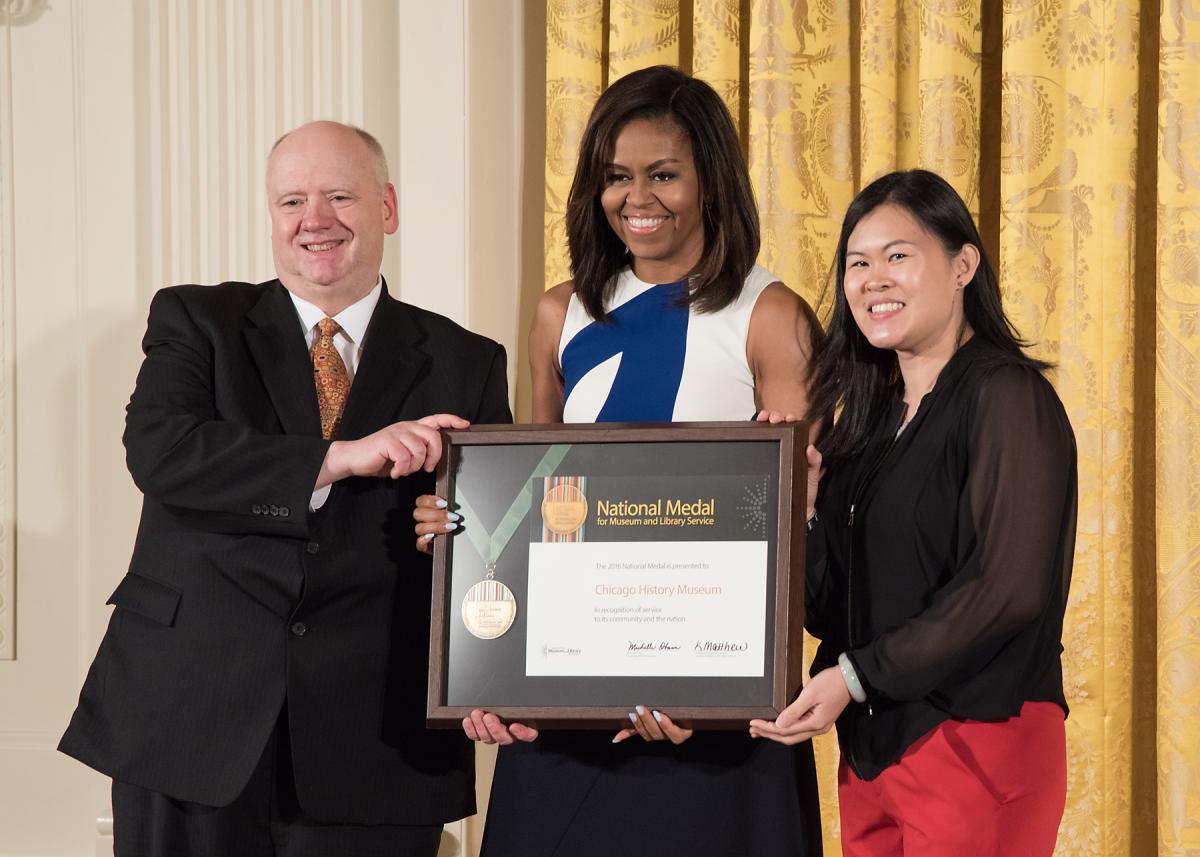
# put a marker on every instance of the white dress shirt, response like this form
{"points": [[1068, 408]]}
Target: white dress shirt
{"points": [[348, 341]]}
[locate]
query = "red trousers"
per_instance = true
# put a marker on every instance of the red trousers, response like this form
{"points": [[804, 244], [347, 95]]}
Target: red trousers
{"points": [[966, 788]]}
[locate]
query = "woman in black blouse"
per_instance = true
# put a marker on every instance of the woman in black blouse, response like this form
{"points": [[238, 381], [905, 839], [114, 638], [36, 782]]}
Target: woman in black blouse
{"points": [[940, 544]]}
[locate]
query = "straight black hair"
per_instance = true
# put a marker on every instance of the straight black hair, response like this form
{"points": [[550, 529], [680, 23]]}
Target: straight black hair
{"points": [[856, 377], [730, 216]]}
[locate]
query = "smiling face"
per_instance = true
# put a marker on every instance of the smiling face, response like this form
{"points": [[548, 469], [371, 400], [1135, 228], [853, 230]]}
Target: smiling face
{"points": [[329, 215], [903, 289], [651, 198]]}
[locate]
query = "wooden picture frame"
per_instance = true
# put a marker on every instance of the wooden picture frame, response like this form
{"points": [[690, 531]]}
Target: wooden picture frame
{"points": [[476, 659]]}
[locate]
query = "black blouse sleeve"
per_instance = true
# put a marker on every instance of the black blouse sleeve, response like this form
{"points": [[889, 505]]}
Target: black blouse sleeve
{"points": [[1017, 501], [818, 585]]}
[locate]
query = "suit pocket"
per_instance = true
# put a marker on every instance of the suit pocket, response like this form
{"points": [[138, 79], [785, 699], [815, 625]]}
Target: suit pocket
{"points": [[147, 597]]}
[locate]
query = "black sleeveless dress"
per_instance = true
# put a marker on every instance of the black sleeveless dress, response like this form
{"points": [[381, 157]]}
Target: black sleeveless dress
{"points": [[719, 794], [576, 794]]}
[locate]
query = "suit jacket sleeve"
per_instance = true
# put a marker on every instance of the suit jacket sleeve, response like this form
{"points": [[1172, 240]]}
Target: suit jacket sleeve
{"points": [[184, 455]]}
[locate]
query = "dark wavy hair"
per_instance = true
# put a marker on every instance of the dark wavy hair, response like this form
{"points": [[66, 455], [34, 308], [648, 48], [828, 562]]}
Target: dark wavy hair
{"points": [[730, 216], [856, 377]]}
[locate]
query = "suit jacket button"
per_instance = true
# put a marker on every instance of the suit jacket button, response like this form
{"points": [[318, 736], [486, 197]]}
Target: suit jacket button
{"points": [[274, 511], [313, 548], [257, 509], [284, 511], [299, 629]]}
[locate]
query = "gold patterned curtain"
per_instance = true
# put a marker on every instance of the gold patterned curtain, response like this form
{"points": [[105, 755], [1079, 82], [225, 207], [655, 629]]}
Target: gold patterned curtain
{"points": [[1072, 129]]}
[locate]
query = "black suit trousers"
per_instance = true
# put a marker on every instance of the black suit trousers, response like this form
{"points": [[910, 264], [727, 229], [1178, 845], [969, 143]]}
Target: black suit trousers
{"points": [[265, 820]]}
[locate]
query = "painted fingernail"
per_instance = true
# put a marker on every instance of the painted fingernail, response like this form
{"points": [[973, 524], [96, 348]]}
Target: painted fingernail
{"points": [[639, 709], [632, 717], [428, 536], [450, 525], [454, 516], [441, 504], [657, 716]]}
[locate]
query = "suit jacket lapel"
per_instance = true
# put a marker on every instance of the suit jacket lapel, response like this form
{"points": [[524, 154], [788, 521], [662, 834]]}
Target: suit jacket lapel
{"points": [[389, 367], [277, 345]]}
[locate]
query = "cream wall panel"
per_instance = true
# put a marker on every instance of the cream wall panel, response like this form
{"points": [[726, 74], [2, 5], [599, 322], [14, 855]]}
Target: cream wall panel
{"points": [[494, 112], [73, 300], [133, 136], [433, 156], [7, 286]]}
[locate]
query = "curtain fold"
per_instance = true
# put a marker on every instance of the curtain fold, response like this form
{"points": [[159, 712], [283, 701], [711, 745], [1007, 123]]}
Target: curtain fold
{"points": [[716, 54], [642, 34], [1072, 130], [1177, 404], [576, 46], [1068, 145]]}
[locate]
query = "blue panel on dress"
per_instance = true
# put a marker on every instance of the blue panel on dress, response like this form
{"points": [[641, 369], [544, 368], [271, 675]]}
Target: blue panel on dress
{"points": [[650, 332]]}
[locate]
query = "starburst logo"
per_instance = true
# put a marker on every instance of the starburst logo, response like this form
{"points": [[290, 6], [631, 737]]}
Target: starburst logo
{"points": [[753, 509]]}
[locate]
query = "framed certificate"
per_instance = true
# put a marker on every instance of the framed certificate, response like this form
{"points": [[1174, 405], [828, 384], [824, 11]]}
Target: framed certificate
{"points": [[598, 567]]}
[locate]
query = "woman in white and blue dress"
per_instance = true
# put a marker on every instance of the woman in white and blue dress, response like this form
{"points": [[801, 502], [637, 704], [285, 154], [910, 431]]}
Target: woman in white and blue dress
{"points": [[666, 318]]}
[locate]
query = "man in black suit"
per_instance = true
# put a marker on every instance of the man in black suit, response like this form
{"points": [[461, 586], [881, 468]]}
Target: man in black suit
{"points": [[261, 686]]}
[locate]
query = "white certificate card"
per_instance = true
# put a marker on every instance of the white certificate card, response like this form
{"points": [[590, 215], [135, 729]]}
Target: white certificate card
{"points": [[646, 608]]}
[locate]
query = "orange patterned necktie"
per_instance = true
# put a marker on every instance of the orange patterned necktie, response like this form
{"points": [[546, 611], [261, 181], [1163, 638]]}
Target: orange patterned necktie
{"points": [[329, 372]]}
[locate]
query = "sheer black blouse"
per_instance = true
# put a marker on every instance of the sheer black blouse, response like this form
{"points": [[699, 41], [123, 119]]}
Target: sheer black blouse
{"points": [[941, 558]]}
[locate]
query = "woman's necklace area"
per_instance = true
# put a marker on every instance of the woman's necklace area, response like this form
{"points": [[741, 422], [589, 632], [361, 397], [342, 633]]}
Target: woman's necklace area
{"points": [[911, 411]]}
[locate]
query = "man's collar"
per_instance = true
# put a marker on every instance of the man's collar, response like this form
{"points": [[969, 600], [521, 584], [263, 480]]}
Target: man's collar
{"points": [[353, 319]]}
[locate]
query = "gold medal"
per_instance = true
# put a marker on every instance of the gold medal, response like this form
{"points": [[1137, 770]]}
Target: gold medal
{"points": [[489, 609], [564, 509]]}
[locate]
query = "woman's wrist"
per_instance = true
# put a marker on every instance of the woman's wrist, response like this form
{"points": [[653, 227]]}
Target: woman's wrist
{"points": [[850, 675]]}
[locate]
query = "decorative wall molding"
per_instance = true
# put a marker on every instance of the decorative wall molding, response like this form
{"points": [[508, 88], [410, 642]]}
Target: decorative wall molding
{"points": [[20, 13], [8, 448], [217, 83]]}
